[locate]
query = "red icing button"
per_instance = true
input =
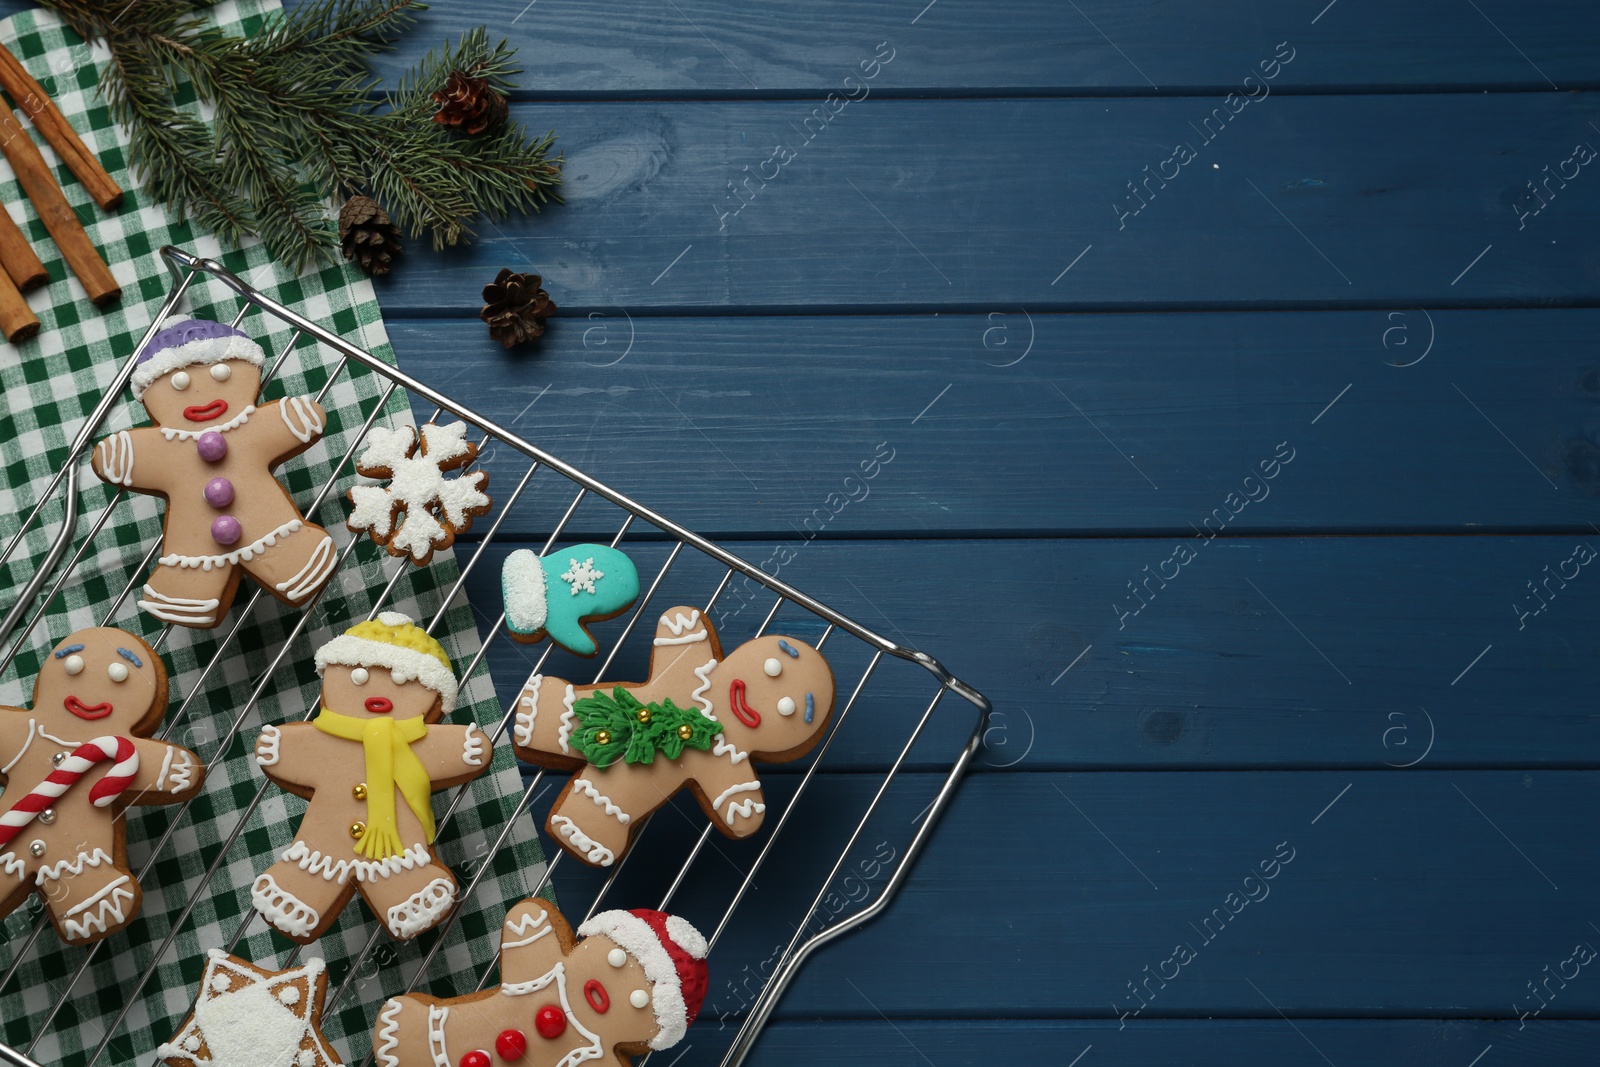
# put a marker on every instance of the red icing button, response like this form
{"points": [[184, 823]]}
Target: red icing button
{"points": [[511, 1044], [476, 1058], [550, 1021]]}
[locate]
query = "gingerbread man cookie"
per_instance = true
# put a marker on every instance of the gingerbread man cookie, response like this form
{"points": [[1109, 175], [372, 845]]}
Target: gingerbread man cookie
{"points": [[210, 455], [697, 723], [633, 984], [70, 766], [369, 763]]}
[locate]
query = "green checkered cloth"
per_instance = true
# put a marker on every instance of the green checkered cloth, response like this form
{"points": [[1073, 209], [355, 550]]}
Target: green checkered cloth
{"points": [[48, 387]]}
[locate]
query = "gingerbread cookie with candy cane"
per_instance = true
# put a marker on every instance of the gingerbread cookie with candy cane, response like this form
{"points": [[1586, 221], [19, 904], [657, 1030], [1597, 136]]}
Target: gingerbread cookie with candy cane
{"points": [[696, 724], [369, 764], [633, 985], [210, 455], [70, 765]]}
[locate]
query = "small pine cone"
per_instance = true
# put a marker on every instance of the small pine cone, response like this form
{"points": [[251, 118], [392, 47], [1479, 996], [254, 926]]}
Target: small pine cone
{"points": [[515, 307], [469, 104], [367, 235]]}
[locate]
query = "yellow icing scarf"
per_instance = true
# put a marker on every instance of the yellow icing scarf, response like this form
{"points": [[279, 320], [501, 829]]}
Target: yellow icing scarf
{"points": [[390, 763]]}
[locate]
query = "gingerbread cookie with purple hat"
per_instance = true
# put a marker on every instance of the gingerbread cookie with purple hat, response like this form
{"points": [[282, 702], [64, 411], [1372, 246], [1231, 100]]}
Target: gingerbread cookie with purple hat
{"points": [[210, 456]]}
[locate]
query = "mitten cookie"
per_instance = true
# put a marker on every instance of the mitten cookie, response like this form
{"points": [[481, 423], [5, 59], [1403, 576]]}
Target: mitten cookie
{"points": [[420, 511], [556, 595], [633, 984], [70, 766], [247, 1016], [369, 764], [696, 724], [210, 456]]}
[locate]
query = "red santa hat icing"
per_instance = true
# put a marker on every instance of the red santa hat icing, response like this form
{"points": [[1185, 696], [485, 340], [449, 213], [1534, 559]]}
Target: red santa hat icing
{"points": [[187, 342], [673, 955]]}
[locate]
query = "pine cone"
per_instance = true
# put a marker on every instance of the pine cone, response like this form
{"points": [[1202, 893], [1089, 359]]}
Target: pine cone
{"points": [[367, 235], [469, 104], [515, 307]]}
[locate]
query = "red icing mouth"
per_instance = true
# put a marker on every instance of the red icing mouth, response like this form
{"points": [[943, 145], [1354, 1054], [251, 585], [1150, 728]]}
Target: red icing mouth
{"points": [[206, 412], [380, 705], [741, 707], [86, 711]]}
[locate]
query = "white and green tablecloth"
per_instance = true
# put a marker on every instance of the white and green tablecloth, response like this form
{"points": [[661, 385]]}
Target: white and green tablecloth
{"points": [[48, 387]]}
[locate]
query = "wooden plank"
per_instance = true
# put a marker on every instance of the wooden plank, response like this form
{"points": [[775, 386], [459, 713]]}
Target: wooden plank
{"points": [[1195, 1042], [1389, 898], [1012, 422], [1209, 674], [636, 48], [984, 205]]}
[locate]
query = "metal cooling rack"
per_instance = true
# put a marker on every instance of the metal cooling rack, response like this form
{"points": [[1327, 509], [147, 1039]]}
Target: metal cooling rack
{"points": [[752, 1016]]}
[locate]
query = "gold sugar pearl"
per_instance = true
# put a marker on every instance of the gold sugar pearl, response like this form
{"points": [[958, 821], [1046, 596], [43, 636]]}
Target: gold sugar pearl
{"points": [[357, 829], [602, 737], [360, 791], [643, 715], [686, 731]]}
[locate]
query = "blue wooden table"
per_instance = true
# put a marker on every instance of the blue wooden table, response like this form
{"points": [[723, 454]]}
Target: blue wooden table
{"points": [[1231, 375]]}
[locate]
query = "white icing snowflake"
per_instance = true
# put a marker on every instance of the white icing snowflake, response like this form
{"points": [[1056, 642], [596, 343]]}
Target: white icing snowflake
{"points": [[582, 575], [405, 514]]}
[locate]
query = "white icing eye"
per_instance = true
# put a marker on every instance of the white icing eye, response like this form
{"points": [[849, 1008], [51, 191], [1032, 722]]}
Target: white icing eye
{"points": [[221, 372], [74, 665], [786, 706], [359, 676], [773, 668], [616, 957], [117, 672], [180, 381], [639, 998]]}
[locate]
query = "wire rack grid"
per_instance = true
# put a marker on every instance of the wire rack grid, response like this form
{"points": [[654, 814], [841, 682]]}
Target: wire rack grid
{"points": [[809, 934]]}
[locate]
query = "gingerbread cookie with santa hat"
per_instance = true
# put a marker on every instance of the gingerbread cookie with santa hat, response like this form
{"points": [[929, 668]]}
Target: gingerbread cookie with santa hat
{"points": [[632, 985], [210, 456], [70, 766], [369, 764]]}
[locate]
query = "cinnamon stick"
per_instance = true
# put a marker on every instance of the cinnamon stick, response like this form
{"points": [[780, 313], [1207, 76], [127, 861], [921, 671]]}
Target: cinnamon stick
{"points": [[31, 97], [17, 256], [17, 321], [57, 215]]}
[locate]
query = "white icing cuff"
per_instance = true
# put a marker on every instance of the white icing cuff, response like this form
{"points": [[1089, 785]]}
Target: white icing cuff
{"points": [[472, 747], [281, 908], [267, 745], [522, 583], [422, 909], [592, 850]]}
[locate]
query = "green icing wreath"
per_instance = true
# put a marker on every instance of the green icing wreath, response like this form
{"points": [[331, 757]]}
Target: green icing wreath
{"points": [[616, 715]]}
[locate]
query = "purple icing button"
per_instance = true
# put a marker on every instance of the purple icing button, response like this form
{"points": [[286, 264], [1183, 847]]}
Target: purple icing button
{"points": [[212, 445], [219, 492], [225, 530]]}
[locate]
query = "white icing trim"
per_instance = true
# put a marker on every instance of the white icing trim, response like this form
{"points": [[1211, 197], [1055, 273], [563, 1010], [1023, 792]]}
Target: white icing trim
{"points": [[181, 610], [305, 412], [166, 765], [586, 787], [193, 353], [414, 858], [182, 770], [680, 622], [525, 718], [267, 745], [522, 926], [110, 909], [422, 909], [558, 975], [522, 584], [687, 937], [724, 747], [568, 720], [388, 1033], [53, 872], [742, 787], [641, 942], [472, 748], [281, 908], [173, 434], [103, 891], [116, 458], [698, 635], [703, 672], [744, 810], [593, 851], [314, 862], [228, 559], [10, 864], [33, 725], [309, 579], [347, 650], [438, 1015]]}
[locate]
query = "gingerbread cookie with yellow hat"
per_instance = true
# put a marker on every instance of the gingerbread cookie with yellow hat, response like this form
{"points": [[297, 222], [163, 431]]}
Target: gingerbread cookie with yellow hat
{"points": [[369, 764]]}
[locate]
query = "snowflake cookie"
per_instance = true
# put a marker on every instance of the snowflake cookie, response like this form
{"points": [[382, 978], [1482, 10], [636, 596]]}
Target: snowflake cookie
{"points": [[420, 510], [246, 1016]]}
